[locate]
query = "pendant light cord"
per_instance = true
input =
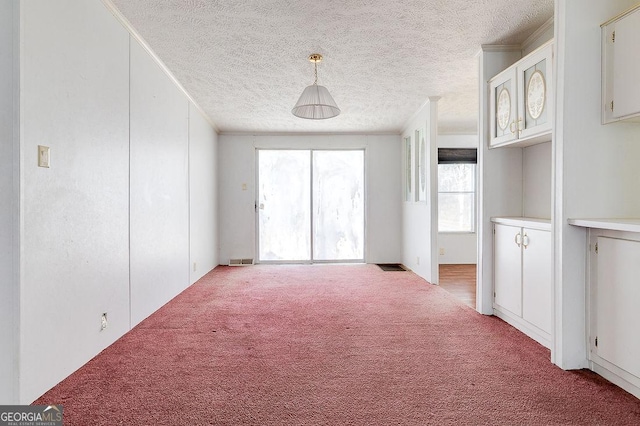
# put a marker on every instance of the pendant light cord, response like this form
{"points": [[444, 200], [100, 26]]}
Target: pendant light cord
{"points": [[315, 63]]}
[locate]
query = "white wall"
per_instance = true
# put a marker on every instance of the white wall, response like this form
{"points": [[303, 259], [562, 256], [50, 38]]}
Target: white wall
{"points": [[458, 248], [107, 227], [457, 141], [236, 162], [596, 165], [236, 197], [8, 207], [419, 218], [454, 248], [536, 166], [203, 194], [384, 199], [75, 258], [159, 187]]}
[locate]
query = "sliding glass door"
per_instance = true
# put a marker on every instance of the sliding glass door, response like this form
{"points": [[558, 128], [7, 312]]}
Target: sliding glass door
{"points": [[284, 205], [310, 205], [338, 205]]}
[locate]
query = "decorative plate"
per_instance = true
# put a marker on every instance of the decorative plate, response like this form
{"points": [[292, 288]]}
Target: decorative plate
{"points": [[536, 92], [503, 109]]}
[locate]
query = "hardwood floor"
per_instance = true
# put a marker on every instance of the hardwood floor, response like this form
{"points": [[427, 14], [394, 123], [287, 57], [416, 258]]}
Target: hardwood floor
{"points": [[460, 280]]}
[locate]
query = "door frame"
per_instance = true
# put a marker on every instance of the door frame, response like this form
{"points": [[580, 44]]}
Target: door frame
{"points": [[311, 241]]}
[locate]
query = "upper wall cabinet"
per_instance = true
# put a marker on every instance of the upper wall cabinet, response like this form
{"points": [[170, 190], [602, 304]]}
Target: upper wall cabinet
{"points": [[520, 110], [621, 67]]}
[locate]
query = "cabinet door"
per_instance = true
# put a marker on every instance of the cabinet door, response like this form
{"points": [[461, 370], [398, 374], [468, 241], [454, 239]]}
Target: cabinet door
{"points": [[626, 66], [536, 278], [503, 100], [507, 268], [534, 93], [616, 301]]}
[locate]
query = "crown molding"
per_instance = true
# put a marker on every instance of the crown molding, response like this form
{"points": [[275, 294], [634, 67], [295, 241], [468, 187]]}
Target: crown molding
{"points": [[136, 36], [537, 33]]}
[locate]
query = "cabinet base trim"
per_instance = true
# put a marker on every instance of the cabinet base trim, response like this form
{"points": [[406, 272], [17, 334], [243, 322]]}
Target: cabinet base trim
{"points": [[530, 330], [615, 379]]}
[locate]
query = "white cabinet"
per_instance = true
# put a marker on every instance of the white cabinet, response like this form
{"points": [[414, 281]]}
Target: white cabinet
{"points": [[520, 101], [621, 67], [522, 276], [536, 278], [616, 301], [613, 298], [508, 268], [613, 273]]}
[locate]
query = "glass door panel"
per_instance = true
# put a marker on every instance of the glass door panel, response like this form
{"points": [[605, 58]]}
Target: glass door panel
{"points": [[338, 205], [284, 205]]}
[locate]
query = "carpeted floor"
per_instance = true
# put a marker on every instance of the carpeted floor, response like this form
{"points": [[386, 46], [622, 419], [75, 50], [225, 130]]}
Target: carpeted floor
{"points": [[330, 345]]}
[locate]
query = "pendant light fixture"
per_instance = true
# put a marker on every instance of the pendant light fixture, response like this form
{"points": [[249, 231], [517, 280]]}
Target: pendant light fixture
{"points": [[315, 103]]}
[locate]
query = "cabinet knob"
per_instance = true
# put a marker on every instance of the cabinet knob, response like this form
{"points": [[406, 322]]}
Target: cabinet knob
{"points": [[525, 241], [518, 239]]}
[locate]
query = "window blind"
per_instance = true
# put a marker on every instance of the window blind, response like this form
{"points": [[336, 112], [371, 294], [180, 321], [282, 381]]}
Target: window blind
{"points": [[457, 155]]}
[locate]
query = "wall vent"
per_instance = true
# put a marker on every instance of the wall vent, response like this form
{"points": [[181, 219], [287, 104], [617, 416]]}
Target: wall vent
{"points": [[240, 262]]}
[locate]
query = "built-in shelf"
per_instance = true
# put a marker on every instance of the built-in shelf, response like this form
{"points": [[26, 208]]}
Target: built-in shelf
{"points": [[628, 225], [527, 222]]}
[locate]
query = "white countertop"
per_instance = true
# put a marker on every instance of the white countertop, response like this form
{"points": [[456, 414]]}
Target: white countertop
{"points": [[527, 222], [629, 225]]}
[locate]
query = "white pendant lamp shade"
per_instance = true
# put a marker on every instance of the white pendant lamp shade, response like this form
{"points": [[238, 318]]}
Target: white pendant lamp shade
{"points": [[315, 103]]}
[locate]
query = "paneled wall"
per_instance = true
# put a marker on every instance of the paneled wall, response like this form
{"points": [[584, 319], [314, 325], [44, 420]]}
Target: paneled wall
{"points": [[8, 207], [75, 216], [203, 195], [106, 228], [419, 216], [159, 187]]}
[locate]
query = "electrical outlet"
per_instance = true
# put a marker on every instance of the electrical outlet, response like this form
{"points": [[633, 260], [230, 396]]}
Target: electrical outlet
{"points": [[418, 260], [441, 251], [103, 321], [194, 266]]}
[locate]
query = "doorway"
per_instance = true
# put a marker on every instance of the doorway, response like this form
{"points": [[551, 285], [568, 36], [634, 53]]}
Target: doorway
{"points": [[457, 213], [310, 206]]}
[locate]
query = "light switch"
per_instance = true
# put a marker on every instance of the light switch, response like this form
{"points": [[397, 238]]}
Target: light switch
{"points": [[244, 186], [43, 156]]}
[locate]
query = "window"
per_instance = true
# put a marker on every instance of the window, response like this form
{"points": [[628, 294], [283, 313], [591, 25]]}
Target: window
{"points": [[456, 194]]}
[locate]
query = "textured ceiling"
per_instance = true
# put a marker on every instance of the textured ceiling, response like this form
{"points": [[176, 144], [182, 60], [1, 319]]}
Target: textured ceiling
{"points": [[245, 62]]}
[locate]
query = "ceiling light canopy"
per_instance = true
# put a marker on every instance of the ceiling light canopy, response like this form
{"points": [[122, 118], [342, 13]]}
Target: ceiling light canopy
{"points": [[315, 103]]}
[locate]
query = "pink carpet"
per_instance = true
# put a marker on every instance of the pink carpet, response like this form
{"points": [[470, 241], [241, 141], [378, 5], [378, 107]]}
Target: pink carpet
{"points": [[330, 345]]}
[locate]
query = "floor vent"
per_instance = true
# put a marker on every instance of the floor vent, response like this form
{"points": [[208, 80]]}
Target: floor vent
{"points": [[391, 267], [240, 262]]}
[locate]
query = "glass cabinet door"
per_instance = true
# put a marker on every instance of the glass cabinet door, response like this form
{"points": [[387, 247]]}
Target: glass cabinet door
{"points": [[503, 108], [534, 75]]}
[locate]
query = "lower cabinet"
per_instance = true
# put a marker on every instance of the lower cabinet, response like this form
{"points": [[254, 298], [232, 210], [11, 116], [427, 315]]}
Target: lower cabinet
{"points": [[614, 307], [522, 276]]}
